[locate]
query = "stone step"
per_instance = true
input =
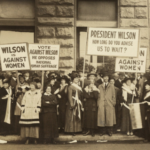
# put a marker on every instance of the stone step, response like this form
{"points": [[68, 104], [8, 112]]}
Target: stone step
{"points": [[65, 138]]}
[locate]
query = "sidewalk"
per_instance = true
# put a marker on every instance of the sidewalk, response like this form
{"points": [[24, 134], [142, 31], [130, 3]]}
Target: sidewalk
{"points": [[114, 137]]}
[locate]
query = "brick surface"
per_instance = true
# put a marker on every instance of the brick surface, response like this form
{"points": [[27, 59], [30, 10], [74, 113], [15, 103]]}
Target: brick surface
{"points": [[144, 33], [66, 63], [67, 53], [46, 11], [141, 12], [61, 42], [133, 2], [56, 1], [65, 32], [127, 12], [65, 11], [46, 31], [56, 21], [133, 23]]}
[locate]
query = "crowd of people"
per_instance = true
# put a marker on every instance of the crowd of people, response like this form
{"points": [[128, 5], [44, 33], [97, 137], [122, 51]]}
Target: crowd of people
{"points": [[70, 104]]}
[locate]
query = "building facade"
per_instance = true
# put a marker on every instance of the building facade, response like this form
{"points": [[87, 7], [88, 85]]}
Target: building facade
{"points": [[65, 22]]}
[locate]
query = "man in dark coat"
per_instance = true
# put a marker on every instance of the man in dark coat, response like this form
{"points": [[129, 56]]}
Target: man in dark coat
{"points": [[118, 84], [100, 80]]}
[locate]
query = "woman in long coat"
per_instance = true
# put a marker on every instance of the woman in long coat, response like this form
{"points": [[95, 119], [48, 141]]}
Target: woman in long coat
{"points": [[29, 120], [74, 106], [90, 96], [62, 100], [49, 116], [128, 96], [146, 112], [106, 106]]}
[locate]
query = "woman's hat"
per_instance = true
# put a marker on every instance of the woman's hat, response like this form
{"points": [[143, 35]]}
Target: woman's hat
{"points": [[51, 78], [64, 78], [37, 80], [6, 81], [126, 79], [74, 75], [92, 74]]}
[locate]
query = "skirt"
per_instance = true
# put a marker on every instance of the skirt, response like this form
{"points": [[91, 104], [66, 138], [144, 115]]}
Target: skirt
{"points": [[90, 119], [72, 123], [32, 132], [50, 125], [126, 120]]}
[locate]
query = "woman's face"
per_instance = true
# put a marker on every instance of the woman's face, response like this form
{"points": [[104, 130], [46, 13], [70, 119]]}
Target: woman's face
{"points": [[48, 90], [32, 87], [52, 82], [147, 87], [39, 85], [112, 81], [134, 82], [6, 85], [63, 81], [76, 80], [21, 80], [128, 82]]}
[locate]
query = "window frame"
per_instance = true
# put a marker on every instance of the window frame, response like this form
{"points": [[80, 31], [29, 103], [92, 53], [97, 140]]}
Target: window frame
{"points": [[85, 24]]}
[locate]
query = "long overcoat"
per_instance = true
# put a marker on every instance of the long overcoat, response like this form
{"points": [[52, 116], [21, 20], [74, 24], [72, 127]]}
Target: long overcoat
{"points": [[106, 106]]}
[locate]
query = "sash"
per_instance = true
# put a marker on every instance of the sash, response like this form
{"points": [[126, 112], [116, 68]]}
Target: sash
{"points": [[8, 108], [77, 109]]}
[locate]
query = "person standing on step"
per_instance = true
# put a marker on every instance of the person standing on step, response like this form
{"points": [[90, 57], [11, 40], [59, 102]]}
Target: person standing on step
{"points": [[106, 107], [29, 120], [62, 97], [128, 96], [74, 107], [90, 96], [118, 84], [49, 116]]}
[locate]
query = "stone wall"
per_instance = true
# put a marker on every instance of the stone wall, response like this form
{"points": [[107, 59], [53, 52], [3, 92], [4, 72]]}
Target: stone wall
{"points": [[55, 25], [134, 14]]}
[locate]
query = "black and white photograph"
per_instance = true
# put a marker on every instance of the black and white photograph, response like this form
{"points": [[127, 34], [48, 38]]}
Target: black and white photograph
{"points": [[74, 74]]}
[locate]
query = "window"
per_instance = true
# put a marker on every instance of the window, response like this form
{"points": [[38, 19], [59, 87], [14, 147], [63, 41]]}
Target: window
{"points": [[97, 10], [17, 21], [17, 12], [94, 13]]}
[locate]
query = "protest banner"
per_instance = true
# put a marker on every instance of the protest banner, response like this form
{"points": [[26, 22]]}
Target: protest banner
{"points": [[113, 42], [14, 57], [135, 65], [44, 56]]}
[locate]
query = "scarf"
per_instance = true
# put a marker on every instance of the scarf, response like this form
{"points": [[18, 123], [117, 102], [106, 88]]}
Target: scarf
{"points": [[127, 89]]}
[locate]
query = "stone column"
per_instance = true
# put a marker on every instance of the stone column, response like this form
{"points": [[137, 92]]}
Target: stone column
{"points": [[134, 14], [55, 25]]}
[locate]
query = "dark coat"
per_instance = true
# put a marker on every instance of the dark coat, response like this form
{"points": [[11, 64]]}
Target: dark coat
{"points": [[49, 116], [49, 103], [99, 81], [90, 109], [118, 84]]}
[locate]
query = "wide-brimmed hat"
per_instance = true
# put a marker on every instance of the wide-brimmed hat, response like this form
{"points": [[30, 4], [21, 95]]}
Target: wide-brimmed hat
{"points": [[126, 79], [74, 75], [64, 78], [94, 74], [51, 78], [37, 80]]}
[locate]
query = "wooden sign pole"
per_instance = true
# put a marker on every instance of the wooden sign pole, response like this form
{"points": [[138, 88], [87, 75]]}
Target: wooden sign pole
{"points": [[42, 80]]}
